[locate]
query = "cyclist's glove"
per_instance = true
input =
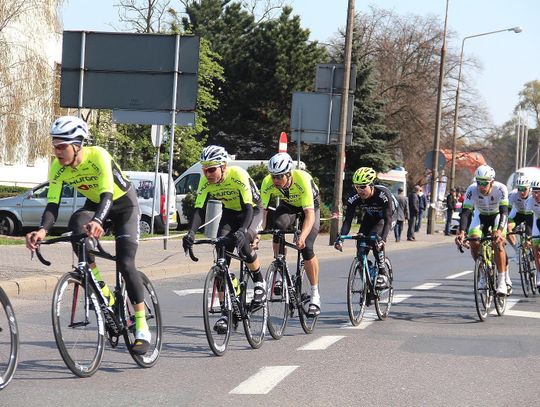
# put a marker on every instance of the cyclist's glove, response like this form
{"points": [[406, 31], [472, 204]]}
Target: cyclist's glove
{"points": [[338, 244], [187, 241], [240, 236]]}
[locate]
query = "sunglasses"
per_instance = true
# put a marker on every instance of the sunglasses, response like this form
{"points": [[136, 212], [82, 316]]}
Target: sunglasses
{"points": [[361, 186], [522, 189], [280, 176], [61, 146], [210, 170], [483, 183]]}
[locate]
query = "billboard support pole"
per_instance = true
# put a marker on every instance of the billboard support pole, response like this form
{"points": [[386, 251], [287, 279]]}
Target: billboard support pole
{"points": [[81, 74]]}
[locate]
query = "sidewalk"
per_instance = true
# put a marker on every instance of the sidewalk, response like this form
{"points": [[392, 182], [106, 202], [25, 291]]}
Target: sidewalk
{"points": [[20, 275]]}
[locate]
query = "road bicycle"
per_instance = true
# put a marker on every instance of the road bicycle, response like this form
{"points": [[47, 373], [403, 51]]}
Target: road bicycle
{"points": [[227, 296], [527, 266], [287, 292], [9, 340], [81, 317], [486, 270], [361, 284]]}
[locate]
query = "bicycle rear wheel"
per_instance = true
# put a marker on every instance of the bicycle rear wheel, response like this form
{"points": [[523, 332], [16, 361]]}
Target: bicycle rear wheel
{"points": [[356, 292], [383, 298], [524, 264], [255, 314], [532, 271], [153, 319], [303, 293], [277, 295], [217, 304], [79, 334], [482, 296], [9, 340]]}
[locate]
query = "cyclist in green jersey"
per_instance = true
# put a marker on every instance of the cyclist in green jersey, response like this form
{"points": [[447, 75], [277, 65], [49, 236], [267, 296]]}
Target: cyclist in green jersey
{"points": [[109, 195], [241, 216], [299, 197]]}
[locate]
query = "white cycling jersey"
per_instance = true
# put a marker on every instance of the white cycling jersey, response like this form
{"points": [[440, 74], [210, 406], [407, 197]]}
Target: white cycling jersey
{"points": [[518, 204], [486, 204], [534, 207]]}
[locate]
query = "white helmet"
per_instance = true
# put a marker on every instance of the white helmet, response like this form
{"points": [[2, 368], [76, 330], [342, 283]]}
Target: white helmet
{"points": [[535, 185], [281, 163], [69, 128], [213, 155], [522, 181], [484, 173]]}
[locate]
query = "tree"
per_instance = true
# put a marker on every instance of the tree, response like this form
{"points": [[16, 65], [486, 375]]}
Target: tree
{"points": [[529, 99]]}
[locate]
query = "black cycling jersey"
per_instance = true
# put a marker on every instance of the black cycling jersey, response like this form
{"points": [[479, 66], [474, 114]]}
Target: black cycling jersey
{"points": [[378, 208]]}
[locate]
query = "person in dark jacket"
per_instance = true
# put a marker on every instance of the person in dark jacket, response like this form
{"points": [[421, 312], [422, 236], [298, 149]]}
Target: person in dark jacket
{"points": [[402, 212], [451, 201], [422, 205], [414, 209]]}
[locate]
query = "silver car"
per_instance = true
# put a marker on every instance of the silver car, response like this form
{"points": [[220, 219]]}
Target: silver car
{"points": [[25, 210]]}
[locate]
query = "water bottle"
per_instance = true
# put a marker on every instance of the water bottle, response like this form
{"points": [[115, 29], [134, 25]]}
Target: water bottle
{"points": [[235, 284]]}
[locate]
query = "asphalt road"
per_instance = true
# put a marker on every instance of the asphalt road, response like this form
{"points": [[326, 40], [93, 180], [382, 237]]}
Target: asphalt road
{"points": [[431, 351]]}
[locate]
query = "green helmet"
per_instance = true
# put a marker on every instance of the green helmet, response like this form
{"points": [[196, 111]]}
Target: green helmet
{"points": [[364, 175]]}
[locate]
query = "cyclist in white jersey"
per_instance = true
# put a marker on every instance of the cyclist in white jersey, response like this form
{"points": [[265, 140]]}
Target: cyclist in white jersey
{"points": [[489, 200], [519, 214], [533, 205]]}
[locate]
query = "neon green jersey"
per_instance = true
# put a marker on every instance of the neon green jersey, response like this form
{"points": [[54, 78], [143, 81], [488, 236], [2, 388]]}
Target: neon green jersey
{"points": [[302, 193], [96, 174], [235, 188]]}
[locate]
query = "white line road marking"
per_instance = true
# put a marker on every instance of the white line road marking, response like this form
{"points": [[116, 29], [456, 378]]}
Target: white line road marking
{"points": [[264, 380], [321, 343], [457, 275], [367, 320], [183, 293], [400, 298], [525, 314], [426, 286]]}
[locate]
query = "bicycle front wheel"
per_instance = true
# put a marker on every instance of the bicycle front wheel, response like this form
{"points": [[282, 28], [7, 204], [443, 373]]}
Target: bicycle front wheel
{"points": [[277, 295], [153, 319], [79, 332], [482, 291], [217, 307], [356, 292], [303, 292], [524, 266], [255, 317], [532, 272], [384, 297], [500, 302], [9, 340]]}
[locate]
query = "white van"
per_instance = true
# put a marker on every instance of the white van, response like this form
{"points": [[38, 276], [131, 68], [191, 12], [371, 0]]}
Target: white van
{"points": [[188, 182], [143, 182]]}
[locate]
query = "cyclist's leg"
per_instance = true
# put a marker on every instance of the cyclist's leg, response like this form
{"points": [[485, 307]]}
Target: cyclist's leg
{"points": [[504, 285], [251, 256], [311, 264], [475, 231], [536, 249], [284, 217]]}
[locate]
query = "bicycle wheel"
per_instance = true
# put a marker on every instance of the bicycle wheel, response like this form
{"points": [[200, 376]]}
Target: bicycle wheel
{"points": [[532, 272], [356, 292], [153, 319], [524, 271], [9, 340], [482, 296], [79, 333], [277, 295], [217, 304], [500, 300], [383, 298], [255, 315], [303, 293]]}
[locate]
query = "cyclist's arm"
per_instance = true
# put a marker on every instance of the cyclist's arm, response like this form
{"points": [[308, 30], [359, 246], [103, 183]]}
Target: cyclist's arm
{"points": [[529, 223], [104, 207], [247, 211], [309, 220], [503, 218], [49, 216], [196, 220], [464, 218]]}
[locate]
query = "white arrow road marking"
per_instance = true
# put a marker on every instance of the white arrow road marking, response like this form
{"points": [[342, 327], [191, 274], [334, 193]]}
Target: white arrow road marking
{"points": [[457, 275], [321, 343], [264, 380], [183, 293]]}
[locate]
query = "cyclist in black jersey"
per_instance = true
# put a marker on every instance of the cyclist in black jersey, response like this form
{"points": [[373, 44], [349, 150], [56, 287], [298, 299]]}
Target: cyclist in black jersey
{"points": [[93, 172], [377, 205]]}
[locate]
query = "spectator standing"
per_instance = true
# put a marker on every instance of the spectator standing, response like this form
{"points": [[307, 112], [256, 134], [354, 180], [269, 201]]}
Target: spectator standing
{"points": [[451, 201], [422, 205], [414, 208], [402, 211]]}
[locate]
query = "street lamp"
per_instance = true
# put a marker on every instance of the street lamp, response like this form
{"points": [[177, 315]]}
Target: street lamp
{"points": [[456, 110]]}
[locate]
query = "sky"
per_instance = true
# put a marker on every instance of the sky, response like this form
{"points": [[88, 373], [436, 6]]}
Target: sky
{"points": [[508, 60]]}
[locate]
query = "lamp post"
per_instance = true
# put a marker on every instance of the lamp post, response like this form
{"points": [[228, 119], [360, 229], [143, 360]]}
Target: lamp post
{"points": [[456, 110]]}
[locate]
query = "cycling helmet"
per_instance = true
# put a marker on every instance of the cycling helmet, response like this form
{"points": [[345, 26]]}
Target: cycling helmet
{"points": [[281, 163], [213, 155], [522, 181], [484, 173], [535, 185], [69, 128], [364, 175]]}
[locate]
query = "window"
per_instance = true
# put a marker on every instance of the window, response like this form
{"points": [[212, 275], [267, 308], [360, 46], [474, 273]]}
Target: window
{"points": [[188, 184]]}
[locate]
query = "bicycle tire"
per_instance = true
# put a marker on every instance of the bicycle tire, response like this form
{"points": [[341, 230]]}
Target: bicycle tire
{"points": [[277, 301], [214, 308], [153, 319], [384, 297], [482, 298], [532, 272], [356, 292], [255, 314], [9, 341], [303, 293], [500, 301], [79, 341], [524, 266]]}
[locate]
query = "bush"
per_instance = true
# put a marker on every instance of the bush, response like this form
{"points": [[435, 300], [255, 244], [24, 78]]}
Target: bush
{"points": [[9, 190], [326, 213], [188, 206]]}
